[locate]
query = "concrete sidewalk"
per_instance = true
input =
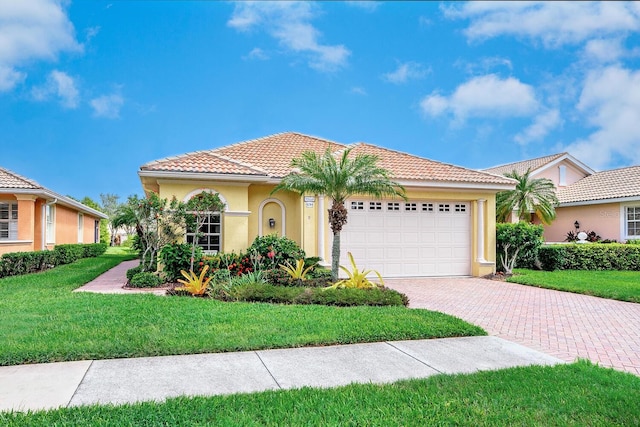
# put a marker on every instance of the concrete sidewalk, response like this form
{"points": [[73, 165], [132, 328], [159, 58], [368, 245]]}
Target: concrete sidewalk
{"points": [[118, 381]]}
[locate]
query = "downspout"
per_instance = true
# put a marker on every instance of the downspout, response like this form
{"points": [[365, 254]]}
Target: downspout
{"points": [[44, 222]]}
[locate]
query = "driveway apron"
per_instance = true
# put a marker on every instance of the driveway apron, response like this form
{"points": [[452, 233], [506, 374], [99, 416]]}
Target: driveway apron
{"points": [[561, 324]]}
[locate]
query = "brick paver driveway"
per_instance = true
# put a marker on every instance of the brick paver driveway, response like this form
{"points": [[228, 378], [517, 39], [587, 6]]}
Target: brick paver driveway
{"points": [[561, 324]]}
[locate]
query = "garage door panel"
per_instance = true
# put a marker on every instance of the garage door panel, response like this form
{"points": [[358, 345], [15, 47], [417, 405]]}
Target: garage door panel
{"points": [[419, 238]]}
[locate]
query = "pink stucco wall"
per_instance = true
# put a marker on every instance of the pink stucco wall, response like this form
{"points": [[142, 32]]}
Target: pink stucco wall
{"points": [[553, 173], [604, 219]]}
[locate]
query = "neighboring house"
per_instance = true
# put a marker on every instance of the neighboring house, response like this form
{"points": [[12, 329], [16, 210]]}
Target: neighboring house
{"points": [[447, 227], [606, 202], [35, 218]]}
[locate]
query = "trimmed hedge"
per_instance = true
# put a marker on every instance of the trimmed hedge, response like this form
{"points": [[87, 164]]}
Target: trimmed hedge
{"points": [[145, 280], [590, 256], [18, 263], [322, 296]]}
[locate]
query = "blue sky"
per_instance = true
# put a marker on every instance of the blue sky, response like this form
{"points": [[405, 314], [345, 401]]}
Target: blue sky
{"points": [[91, 90]]}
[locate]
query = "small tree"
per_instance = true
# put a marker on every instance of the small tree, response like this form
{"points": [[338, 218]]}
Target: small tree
{"points": [[531, 195], [157, 222], [104, 223], [197, 210], [339, 178], [110, 207], [513, 240]]}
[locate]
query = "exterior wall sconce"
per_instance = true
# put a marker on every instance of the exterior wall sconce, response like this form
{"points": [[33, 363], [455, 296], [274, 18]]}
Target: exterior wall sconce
{"points": [[272, 223], [576, 225]]}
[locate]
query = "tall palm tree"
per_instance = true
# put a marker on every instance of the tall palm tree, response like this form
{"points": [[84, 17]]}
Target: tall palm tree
{"points": [[339, 179], [531, 195]]}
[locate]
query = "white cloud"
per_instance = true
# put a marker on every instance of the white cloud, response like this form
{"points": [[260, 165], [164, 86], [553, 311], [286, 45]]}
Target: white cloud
{"points": [[289, 23], [257, 53], [31, 30], [9, 78], [610, 100], [541, 126], [553, 23], [406, 71], [484, 96], [604, 50], [107, 106], [61, 85], [357, 90], [369, 6]]}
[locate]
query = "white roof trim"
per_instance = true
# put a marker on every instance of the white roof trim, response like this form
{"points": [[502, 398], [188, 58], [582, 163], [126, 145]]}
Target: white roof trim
{"points": [[586, 169], [601, 201], [48, 194], [203, 176]]}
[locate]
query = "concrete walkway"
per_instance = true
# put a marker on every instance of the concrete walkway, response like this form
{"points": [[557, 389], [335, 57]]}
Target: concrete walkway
{"points": [[117, 381], [561, 324], [113, 280]]}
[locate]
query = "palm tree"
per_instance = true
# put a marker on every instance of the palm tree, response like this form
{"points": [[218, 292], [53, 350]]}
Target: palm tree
{"points": [[531, 195], [339, 179]]}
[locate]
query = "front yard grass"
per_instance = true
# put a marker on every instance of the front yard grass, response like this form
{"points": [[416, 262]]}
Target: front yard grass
{"points": [[619, 285], [44, 321], [578, 394]]}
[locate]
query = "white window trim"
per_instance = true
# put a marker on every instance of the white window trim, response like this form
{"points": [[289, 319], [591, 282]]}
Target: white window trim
{"points": [[208, 251], [562, 178], [13, 223], [624, 222], [80, 227], [50, 233]]}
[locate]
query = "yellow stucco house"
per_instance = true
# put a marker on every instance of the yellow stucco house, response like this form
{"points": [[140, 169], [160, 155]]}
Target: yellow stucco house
{"points": [[33, 217], [447, 226]]}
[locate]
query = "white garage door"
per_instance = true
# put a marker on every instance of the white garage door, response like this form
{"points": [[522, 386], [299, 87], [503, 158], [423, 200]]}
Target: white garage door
{"points": [[408, 239]]}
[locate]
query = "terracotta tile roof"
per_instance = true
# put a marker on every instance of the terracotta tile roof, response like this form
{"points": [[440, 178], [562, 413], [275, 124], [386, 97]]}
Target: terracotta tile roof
{"points": [[523, 166], [202, 161], [10, 179], [271, 156], [274, 153], [410, 167], [611, 184], [11, 182]]}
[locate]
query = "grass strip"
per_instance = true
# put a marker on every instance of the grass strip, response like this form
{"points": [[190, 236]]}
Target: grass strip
{"points": [[43, 321], [578, 394], [618, 285]]}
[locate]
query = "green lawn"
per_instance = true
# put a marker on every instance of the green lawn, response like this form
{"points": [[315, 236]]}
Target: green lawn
{"points": [[579, 394], [43, 321], [619, 285]]}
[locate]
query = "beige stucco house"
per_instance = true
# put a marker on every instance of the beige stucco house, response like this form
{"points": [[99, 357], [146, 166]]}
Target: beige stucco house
{"points": [[33, 217], [447, 227], [606, 202]]}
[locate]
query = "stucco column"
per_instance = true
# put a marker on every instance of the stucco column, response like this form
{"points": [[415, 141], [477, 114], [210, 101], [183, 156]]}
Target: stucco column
{"points": [[320, 221], [480, 231], [26, 218]]}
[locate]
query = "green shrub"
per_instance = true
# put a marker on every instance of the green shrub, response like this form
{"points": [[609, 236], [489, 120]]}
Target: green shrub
{"points": [[145, 280], [176, 257], [68, 253], [92, 250], [133, 271], [282, 248], [591, 256], [299, 295], [517, 245], [278, 277], [633, 242], [552, 257], [319, 273], [17, 263]]}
